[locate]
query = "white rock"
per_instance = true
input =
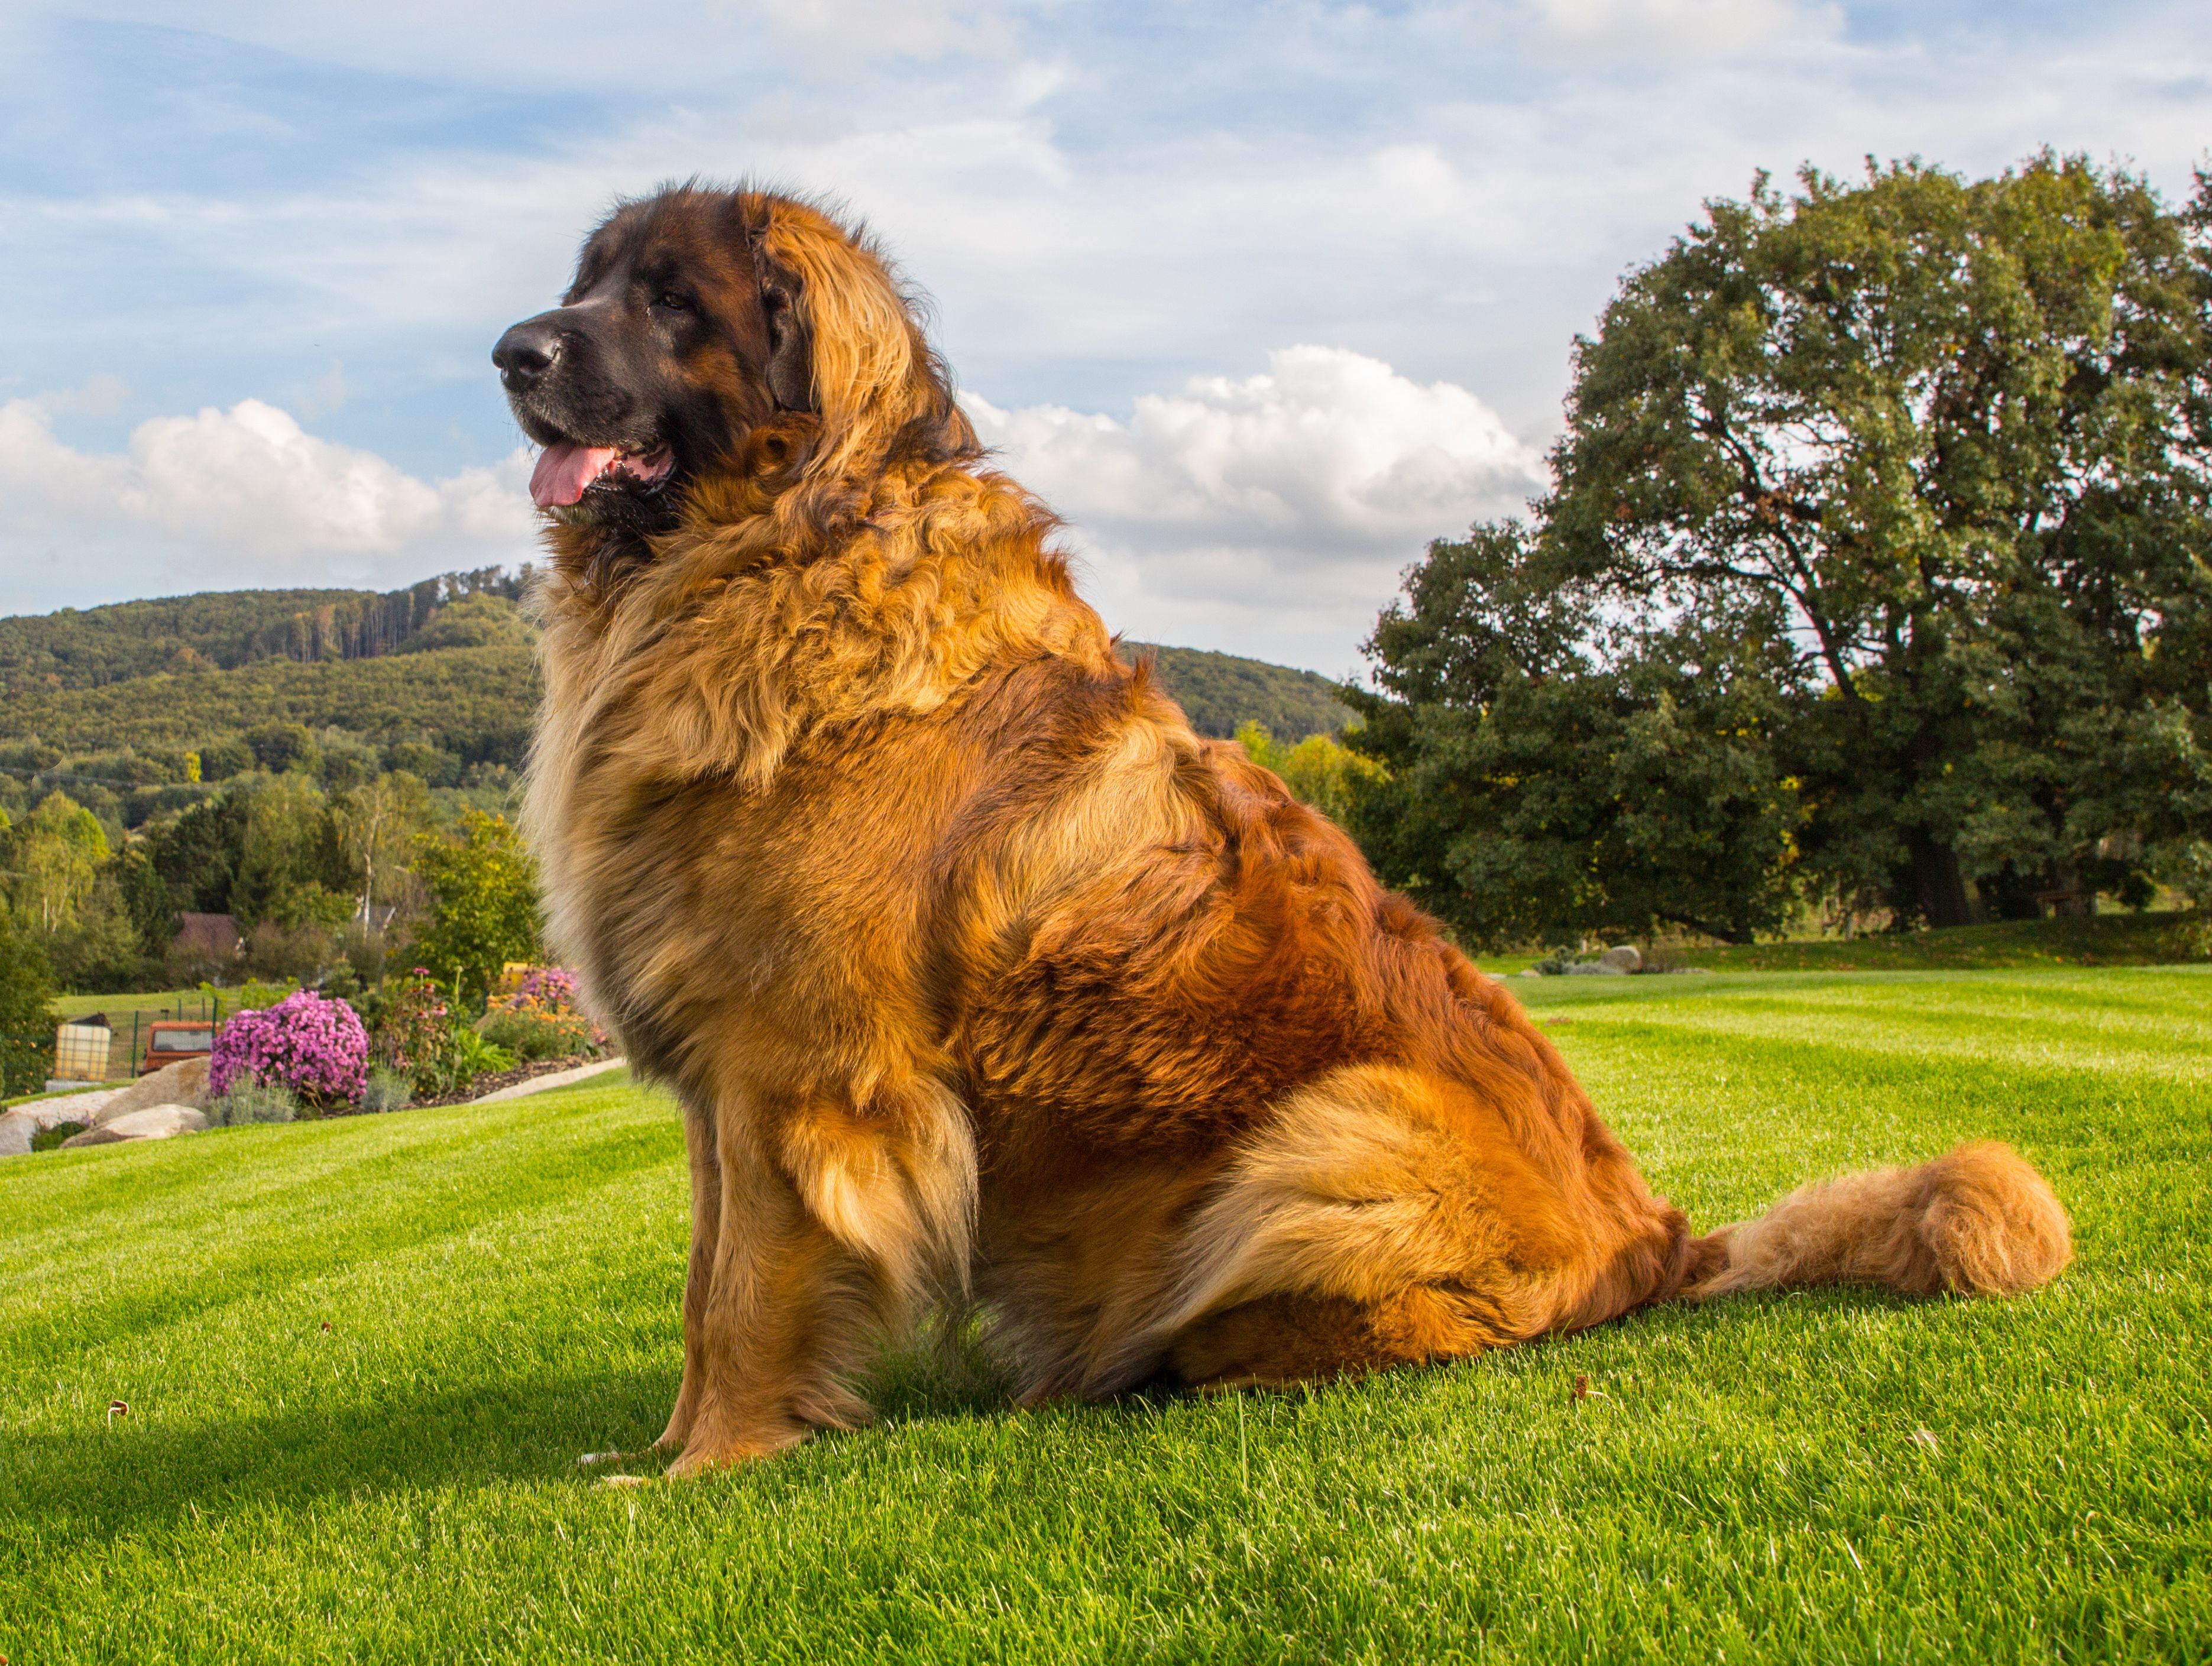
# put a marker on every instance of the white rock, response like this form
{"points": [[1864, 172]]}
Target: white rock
{"points": [[19, 1125], [62, 1107], [78, 1107], [153, 1123]]}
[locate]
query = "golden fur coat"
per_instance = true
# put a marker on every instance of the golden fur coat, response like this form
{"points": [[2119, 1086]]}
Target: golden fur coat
{"points": [[983, 979]]}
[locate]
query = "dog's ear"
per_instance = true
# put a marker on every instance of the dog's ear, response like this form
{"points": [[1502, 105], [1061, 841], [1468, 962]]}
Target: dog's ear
{"points": [[791, 339], [848, 348]]}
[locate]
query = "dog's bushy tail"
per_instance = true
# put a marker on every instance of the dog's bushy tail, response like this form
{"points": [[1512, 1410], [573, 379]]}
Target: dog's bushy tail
{"points": [[1977, 1221]]}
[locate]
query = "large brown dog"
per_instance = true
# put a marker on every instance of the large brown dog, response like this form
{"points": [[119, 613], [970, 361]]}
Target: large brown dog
{"points": [[981, 976]]}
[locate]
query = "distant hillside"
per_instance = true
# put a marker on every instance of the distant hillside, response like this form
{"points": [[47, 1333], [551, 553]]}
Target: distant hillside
{"points": [[225, 628], [1220, 692], [454, 698], [446, 664]]}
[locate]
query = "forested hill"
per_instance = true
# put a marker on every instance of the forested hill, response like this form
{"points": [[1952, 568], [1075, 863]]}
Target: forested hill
{"points": [[223, 630], [125, 692], [1221, 692]]}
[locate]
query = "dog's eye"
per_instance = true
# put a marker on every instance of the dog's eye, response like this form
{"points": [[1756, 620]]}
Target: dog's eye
{"points": [[668, 301]]}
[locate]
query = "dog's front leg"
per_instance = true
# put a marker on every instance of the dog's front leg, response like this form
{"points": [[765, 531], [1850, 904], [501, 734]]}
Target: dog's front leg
{"points": [[698, 1279], [786, 1310], [830, 1219]]}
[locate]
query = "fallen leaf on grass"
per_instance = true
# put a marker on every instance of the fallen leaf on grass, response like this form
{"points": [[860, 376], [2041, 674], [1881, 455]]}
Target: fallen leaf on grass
{"points": [[1922, 1438], [590, 1459], [622, 1481], [117, 1408]]}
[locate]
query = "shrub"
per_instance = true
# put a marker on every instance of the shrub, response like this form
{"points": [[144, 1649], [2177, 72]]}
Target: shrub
{"points": [[298, 954], [249, 1101], [27, 1024], [474, 1057], [257, 995], [364, 949], [387, 1089], [50, 1138], [483, 905], [1318, 771], [414, 1035], [313, 1046], [537, 1035]]}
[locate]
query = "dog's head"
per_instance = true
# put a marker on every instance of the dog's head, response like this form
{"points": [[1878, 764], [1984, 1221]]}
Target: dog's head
{"points": [[698, 319]]}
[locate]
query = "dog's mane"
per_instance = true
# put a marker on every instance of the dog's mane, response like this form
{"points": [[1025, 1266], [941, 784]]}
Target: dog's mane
{"points": [[850, 561]]}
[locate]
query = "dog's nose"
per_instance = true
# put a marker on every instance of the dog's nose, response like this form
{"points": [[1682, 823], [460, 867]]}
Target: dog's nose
{"points": [[526, 353]]}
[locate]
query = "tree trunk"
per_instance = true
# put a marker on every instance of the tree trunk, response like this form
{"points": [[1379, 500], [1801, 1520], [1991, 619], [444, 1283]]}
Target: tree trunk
{"points": [[1941, 888]]}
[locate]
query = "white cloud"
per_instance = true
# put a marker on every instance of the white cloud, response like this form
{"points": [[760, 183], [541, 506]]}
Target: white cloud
{"points": [[832, 32], [1267, 514], [1678, 27], [247, 496], [99, 395], [1272, 513]]}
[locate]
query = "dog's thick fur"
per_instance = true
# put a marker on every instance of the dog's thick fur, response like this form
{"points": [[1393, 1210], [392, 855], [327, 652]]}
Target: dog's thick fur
{"points": [[981, 976]]}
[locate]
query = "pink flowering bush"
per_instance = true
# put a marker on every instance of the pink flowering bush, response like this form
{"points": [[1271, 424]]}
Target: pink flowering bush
{"points": [[313, 1046]]}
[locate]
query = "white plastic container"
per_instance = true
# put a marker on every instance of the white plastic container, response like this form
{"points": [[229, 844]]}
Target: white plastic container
{"points": [[81, 1052]]}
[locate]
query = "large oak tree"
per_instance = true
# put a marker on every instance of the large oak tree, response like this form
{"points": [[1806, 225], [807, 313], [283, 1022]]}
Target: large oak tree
{"points": [[1944, 444]]}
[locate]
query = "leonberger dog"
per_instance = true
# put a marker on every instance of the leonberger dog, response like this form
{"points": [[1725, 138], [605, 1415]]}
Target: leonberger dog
{"points": [[985, 983]]}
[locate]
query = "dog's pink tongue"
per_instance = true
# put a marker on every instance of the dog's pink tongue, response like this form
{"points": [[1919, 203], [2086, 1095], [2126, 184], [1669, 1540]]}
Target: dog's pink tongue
{"points": [[564, 470]]}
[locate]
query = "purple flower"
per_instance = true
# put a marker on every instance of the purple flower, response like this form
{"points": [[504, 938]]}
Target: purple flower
{"points": [[314, 1046]]}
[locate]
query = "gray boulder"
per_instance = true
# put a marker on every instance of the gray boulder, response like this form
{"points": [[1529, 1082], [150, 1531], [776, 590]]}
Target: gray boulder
{"points": [[1625, 958], [16, 1128], [153, 1123], [183, 1083]]}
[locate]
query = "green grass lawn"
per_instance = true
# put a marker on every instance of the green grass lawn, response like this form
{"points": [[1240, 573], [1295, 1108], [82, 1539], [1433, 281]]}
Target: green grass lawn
{"points": [[362, 1356], [2105, 939], [154, 1003]]}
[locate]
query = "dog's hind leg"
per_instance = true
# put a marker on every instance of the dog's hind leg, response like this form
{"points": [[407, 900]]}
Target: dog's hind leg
{"points": [[1304, 1338], [698, 1279], [831, 1225], [1387, 1218]]}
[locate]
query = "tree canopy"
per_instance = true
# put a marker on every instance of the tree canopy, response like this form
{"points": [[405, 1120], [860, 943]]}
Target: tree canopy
{"points": [[484, 903], [1873, 564]]}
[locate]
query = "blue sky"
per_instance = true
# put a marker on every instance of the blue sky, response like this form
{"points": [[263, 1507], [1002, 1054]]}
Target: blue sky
{"points": [[1261, 297]]}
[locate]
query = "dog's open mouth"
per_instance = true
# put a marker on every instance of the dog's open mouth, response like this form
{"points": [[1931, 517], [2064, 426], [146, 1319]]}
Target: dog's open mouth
{"points": [[567, 469]]}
